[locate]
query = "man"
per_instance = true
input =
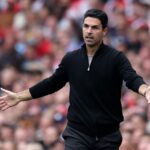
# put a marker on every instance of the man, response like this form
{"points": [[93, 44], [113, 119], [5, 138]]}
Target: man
{"points": [[95, 73]]}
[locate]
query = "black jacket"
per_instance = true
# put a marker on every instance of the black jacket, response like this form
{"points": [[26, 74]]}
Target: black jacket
{"points": [[95, 90]]}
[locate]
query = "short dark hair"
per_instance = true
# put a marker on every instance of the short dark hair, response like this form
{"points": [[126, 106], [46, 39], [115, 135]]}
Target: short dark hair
{"points": [[99, 14]]}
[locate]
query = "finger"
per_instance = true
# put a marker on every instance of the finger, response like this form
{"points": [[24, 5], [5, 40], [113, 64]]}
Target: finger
{"points": [[6, 91], [148, 98], [148, 95], [2, 103], [3, 97], [5, 107]]}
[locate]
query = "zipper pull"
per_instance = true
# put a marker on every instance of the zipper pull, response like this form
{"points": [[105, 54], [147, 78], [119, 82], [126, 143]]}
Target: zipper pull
{"points": [[88, 69], [97, 139]]}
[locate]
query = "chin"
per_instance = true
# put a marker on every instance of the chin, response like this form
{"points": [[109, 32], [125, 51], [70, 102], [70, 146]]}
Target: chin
{"points": [[90, 44]]}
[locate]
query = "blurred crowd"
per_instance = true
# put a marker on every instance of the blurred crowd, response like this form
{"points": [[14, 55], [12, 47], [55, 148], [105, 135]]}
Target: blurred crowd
{"points": [[35, 35]]}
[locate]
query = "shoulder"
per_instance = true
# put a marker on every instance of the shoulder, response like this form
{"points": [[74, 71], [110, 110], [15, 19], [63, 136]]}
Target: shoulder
{"points": [[72, 54], [112, 51], [116, 55]]}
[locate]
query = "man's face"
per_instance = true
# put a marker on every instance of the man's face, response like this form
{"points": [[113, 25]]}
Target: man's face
{"points": [[93, 32]]}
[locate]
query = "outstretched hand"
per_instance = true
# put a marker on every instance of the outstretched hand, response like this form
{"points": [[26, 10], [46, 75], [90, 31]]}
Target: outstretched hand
{"points": [[8, 100], [147, 95]]}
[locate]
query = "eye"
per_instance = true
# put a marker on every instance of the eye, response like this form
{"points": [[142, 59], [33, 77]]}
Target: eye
{"points": [[85, 26], [95, 27]]}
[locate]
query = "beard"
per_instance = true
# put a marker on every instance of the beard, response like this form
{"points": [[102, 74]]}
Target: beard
{"points": [[91, 42]]}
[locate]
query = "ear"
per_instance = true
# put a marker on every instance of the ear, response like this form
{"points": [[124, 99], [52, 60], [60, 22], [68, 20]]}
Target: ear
{"points": [[105, 31]]}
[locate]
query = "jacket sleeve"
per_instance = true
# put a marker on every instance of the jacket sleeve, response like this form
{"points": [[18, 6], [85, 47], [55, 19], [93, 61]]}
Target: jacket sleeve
{"points": [[51, 84], [128, 74]]}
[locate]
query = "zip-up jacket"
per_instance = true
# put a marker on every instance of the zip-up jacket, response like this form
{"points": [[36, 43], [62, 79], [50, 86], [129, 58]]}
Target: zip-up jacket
{"points": [[95, 90]]}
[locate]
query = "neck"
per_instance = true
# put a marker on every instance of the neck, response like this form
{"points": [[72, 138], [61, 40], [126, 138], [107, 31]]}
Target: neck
{"points": [[91, 50]]}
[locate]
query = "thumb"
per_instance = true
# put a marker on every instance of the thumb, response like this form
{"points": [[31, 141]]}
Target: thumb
{"points": [[6, 91]]}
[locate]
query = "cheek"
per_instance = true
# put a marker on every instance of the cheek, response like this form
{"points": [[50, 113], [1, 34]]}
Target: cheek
{"points": [[83, 31], [99, 35]]}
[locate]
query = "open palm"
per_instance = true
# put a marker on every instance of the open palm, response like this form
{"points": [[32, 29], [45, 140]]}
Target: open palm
{"points": [[8, 100], [147, 96]]}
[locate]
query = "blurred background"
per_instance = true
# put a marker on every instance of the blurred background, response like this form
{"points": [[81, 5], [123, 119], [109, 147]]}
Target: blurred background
{"points": [[35, 35]]}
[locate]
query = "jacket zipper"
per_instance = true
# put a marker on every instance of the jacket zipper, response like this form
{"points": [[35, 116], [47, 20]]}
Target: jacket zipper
{"points": [[88, 69], [89, 65]]}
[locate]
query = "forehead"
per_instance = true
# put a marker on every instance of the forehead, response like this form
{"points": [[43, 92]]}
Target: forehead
{"points": [[92, 21]]}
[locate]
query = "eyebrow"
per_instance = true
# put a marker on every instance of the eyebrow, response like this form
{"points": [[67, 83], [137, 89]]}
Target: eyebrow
{"points": [[93, 26]]}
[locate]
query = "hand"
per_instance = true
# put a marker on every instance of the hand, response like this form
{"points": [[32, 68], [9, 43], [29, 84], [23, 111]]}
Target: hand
{"points": [[8, 100], [147, 95]]}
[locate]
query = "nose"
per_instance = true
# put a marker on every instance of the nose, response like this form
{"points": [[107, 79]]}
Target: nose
{"points": [[89, 30]]}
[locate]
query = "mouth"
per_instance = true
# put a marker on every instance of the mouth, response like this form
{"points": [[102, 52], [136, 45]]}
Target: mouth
{"points": [[89, 37]]}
